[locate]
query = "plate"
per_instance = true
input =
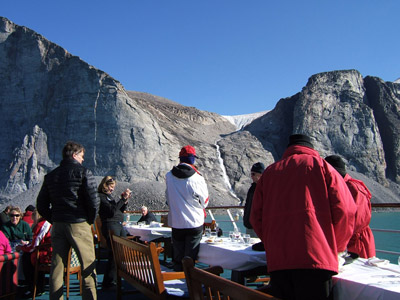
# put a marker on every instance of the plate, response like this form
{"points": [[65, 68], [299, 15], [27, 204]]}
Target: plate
{"points": [[217, 241]]}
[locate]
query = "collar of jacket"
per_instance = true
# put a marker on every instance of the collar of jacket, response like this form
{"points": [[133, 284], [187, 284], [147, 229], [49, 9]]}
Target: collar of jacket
{"points": [[67, 161], [298, 149], [183, 170]]}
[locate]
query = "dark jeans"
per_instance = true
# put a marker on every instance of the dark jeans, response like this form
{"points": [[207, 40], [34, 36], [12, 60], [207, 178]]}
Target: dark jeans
{"points": [[185, 242], [110, 274], [301, 284]]}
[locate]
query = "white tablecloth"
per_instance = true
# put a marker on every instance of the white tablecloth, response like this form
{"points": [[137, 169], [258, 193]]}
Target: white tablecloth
{"points": [[148, 233], [232, 256], [359, 281]]}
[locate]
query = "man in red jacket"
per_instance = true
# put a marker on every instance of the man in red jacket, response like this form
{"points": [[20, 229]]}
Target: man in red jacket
{"points": [[304, 213], [362, 242]]}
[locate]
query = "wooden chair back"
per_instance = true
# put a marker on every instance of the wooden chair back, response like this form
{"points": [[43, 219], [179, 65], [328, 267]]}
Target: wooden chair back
{"points": [[138, 264], [205, 285], [73, 267], [102, 241], [212, 225], [164, 220]]}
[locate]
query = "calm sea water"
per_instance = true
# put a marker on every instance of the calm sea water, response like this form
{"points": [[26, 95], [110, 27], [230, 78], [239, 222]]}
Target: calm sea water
{"points": [[383, 240]]}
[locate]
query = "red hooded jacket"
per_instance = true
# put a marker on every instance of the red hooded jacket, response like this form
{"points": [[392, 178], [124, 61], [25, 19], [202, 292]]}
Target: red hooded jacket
{"points": [[41, 235], [303, 212], [362, 242]]}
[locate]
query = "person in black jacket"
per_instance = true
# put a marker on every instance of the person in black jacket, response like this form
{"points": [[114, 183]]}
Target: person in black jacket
{"points": [[112, 216], [256, 171], [68, 199], [147, 216]]}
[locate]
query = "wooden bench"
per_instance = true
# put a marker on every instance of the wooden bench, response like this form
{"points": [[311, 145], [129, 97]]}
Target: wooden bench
{"points": [[139, 265], [204, 285]]}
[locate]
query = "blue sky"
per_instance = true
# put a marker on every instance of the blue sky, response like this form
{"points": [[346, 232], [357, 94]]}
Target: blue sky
{"points": [[225, 56]]}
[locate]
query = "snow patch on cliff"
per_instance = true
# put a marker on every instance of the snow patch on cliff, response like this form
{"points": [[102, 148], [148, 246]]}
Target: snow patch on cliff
{"points": [[241, 121]]}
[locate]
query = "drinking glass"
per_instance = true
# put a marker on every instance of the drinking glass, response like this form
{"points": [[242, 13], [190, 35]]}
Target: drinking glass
{"points": [[246, 238], [237, 235], [208, 232], [213, 234], [232, 235]]}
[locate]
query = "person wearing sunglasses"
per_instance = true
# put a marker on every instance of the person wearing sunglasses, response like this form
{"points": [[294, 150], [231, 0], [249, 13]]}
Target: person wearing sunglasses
{"points": [[112, 216], [16, 230]]}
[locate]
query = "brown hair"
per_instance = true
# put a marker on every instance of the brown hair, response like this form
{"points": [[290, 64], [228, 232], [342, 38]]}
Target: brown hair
{"points": [[17, 209], [105, 183], [72, 148]]}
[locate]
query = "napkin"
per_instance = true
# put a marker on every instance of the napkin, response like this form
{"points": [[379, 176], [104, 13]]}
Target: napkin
{"points": [[377, 262]]}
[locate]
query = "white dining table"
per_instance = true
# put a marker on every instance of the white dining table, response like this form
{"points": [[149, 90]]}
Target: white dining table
{"points": [[360, 281], [148, 233], [230, 255], [355, 281]]}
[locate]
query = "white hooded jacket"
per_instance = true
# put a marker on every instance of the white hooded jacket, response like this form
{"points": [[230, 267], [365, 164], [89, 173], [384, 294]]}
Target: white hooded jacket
{"points": [[187, 197]]}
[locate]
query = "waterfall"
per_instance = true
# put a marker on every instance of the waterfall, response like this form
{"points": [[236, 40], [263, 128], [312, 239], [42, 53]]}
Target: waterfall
{"points": [[224, 175]]}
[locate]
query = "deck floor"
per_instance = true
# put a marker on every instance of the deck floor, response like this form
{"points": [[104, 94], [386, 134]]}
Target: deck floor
{"points": [[74, 288], [101, 294]]}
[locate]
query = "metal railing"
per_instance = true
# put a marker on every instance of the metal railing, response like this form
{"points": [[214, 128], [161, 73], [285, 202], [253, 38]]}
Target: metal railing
{"points": [[233, 218]]}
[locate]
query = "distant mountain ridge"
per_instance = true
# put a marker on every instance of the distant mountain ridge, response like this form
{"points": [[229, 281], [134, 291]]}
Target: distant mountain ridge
{"points": [[49, 96]]}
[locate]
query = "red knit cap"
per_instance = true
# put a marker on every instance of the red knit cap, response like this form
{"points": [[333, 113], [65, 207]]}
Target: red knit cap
{"points": [[187, 151]]}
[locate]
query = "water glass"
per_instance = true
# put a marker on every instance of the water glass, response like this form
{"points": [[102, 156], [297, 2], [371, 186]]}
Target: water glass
{"points": [[213, 234], [246, 238], [232, 236], [208, 232]]}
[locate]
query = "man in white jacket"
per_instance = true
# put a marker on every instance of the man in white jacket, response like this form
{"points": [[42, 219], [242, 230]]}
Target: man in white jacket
{"points": [[187, 197]]}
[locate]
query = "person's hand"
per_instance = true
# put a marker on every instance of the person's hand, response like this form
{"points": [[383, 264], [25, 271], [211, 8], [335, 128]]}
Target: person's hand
{"points": [[126, 194]]}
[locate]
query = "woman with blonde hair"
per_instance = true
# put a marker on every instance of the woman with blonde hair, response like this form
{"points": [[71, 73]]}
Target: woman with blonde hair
{"points": [[112, 216], [16, 230]]}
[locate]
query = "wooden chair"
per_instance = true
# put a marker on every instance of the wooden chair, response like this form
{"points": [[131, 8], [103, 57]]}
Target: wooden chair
{"points": [[164, 220], [138, 264], [212, 225], [73, 267], [102, 241], [9, 275], [204, 285]]}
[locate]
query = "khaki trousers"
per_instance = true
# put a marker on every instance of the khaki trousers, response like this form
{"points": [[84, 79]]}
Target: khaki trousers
{"points": [[80, 237]]}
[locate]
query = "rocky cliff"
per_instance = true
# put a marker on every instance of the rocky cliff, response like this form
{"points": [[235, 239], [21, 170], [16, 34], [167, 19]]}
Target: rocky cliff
{"points": [[49, 96]]}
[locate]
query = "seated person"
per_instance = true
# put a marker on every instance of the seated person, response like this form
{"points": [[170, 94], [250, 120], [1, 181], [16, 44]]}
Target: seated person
{"points": [[28, 215], [41, 235], [4, 244], [16, 230], [147, 216], [4, 218]]}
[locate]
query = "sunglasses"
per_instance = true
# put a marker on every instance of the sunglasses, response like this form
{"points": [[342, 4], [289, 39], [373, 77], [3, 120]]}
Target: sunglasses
{"points": [[16, 216], [110, 180]]}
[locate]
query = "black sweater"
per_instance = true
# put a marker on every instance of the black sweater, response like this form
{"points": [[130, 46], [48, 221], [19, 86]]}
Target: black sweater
{"points": [[111, 211]]}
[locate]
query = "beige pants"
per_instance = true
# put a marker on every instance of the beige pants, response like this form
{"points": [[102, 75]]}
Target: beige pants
{"points": [[80, 237]]}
